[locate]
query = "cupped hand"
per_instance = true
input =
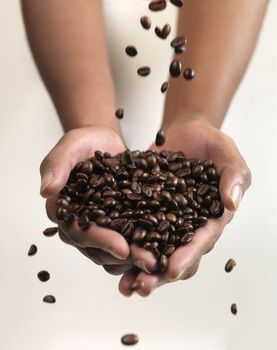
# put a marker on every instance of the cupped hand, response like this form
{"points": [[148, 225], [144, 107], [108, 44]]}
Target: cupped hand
{"points": [[198, 140], [103, 246]]}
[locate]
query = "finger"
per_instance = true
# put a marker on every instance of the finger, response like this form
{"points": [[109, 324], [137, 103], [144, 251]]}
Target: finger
{"points": [[105, 258], [73, 147], [117, 269], [203, 241], [235, 176], [126, 280], [143, 259]]}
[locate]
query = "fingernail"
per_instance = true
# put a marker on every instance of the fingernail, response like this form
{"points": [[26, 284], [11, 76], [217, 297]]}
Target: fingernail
{"points": [[236, 195], [141, 265], [46, 181], [115, 254]]}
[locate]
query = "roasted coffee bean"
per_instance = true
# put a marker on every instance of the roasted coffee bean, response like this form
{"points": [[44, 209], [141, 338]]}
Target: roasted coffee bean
{"points": [[49, 299], [119, 113], [175, 68], [164, 32], [186, 237], [32, 250], [144, 71], [180, 49], [178, 3], [145, 21], [146, 224], [157, 5], [200, 221], [109, 202], [139, 234], [178, 42], [169, 249], [171, 218], [163, 226], [129, 339], [103, 221], [153, 236], [131, 51], [181, 200], [234, 309], [216, 209], [127, 229], [83, 222], [61, 202], [136, 286], [189, 74], [160, 138], [117, 224], [43, 276], [163, 263], [164, 87], [50, 231], [230, 265]]}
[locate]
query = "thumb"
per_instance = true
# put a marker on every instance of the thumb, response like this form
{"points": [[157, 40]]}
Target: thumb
{"points": [[235, 180], [57, 165]]}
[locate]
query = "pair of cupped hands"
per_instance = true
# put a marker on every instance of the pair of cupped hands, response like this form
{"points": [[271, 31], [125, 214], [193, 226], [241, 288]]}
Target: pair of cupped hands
{"points": [[197, 139]]}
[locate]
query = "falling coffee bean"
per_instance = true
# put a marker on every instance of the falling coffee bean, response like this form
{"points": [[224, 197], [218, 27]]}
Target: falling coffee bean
{"points": [[178, 42], [136, 286], [164, 32], [43, 276], [129, 339], [189, 74], [32, 250], [234, 309], [144, 71], [175, 68], [119, 113], [51, 231], [164, 87], [157, 5], [131, 51], [178, 3], [160, 138], [49, 299], [230, 265], [145, 21]]}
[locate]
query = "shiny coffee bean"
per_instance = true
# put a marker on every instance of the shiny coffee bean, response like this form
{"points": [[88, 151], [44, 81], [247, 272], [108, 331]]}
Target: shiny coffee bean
{"points": [[178, 3], [164, 87], [234, 309], [160, 138], [50, 231], [175, 68], [189, 74], [49, 299]]}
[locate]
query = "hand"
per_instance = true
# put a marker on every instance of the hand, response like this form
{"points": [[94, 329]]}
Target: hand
{"points": [[198, 140], [103, 246]]}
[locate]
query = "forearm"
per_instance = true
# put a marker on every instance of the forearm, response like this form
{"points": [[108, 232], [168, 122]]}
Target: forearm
{"points": [[68, 43], [221, 39]]}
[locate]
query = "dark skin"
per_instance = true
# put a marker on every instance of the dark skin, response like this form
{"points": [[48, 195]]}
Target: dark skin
{"points": [[68, 43]]}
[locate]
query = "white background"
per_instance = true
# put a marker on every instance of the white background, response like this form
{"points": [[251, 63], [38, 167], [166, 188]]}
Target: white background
{"points": [[90, 313]]}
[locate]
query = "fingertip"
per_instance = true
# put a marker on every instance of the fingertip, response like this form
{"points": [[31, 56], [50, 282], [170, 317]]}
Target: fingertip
{"points": [[51, 189]]}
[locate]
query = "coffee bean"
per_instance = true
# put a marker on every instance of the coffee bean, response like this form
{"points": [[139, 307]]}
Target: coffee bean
{"points": [[49, 299], [50, 231], [179, 41], [230, 265], [119, 113], [180, 49], [32, 250], [189, 74], [117, 224], [157, 5], [169, 249], [163, 263], [171, 218], [131, 51], [160, 138], [164, 87], [164, 32], [83, 221], [103, 221], [144, 71], [146, 224], [145, 22], [216, 209], [138, 235], [129, 339], [178, 3], [175, 68], [136, 286], [203, 189], [234, 309], [43, 276]]}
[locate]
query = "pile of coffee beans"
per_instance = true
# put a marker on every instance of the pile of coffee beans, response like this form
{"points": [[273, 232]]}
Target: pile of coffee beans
{"points": [[155, 200]]}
